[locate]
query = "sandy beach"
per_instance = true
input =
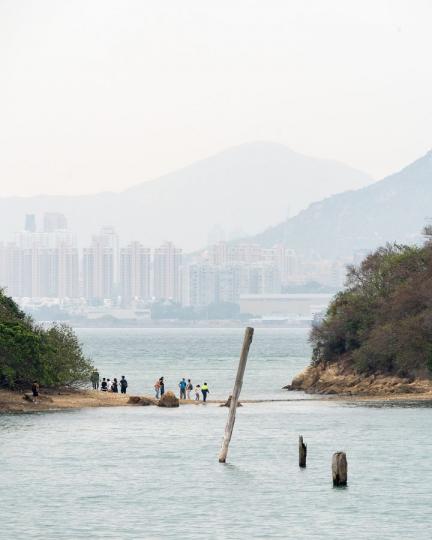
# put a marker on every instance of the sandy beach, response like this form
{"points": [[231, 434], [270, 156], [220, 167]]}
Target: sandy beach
{"points": [[16, 402]]}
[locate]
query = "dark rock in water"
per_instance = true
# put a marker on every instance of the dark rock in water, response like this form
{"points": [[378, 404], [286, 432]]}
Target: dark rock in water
{"points": [[141, 400], [169, 400], [228, 403]]}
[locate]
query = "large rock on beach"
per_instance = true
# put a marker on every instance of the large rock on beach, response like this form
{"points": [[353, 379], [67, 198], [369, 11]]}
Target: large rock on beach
{"points": [[141, 400], [169, 400]]}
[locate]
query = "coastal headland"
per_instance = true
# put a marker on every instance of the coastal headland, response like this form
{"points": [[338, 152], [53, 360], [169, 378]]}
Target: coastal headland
{"points": [[339, 379]]}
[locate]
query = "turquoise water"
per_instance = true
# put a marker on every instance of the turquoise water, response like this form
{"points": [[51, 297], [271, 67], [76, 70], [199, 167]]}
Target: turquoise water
{"points": [[144, 472]]}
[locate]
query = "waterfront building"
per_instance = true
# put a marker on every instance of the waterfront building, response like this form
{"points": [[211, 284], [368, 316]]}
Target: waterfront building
{"points": [[98, 270], [166, 272], [135, 269]]}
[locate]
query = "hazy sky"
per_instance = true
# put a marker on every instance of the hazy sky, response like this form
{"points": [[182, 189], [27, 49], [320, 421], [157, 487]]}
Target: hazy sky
{"points": [[101, 94]]}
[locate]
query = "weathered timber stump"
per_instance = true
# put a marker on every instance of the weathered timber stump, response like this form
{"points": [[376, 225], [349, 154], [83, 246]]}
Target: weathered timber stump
{"points": [[302, 452], [339, 469]]}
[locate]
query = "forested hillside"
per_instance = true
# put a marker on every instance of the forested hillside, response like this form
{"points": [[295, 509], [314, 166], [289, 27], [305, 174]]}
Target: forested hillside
{"points": [[382, 322], [29, 352]]}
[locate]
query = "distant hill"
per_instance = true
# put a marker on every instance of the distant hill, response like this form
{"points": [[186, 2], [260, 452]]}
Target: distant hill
{"points": [[393, 209], [245, 188]]}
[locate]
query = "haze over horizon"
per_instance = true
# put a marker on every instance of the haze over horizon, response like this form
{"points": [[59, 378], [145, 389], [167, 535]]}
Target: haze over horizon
{"points": [[100, 96]]}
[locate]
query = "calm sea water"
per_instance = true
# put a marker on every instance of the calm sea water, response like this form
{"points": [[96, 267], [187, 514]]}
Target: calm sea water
{"points": [[144, 472]]}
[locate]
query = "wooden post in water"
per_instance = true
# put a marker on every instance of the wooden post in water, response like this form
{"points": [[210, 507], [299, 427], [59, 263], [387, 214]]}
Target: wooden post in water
{"points": [[339, 469], [302, 452], [236, 394]]}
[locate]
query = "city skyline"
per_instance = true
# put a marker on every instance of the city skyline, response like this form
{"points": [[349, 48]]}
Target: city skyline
{"points": [[47, 263]]}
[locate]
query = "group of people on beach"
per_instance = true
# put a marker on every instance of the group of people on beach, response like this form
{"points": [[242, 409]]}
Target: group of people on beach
{"points": [[187, 389], [108, 385]]}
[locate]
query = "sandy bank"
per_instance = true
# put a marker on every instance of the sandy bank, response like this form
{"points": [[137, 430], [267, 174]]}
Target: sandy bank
{"points": [[69, 399], [340, 380], [15, 401]]}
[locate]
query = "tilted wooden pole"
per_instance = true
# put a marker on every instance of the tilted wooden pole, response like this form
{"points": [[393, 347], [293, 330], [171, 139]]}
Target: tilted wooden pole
{"points": [[236, 394]]}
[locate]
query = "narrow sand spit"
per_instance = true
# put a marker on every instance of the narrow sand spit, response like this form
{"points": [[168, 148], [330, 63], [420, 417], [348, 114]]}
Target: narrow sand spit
{"points": [[15, 402]]}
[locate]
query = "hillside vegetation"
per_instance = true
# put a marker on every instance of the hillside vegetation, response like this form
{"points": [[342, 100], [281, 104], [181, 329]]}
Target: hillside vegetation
{"points": [[29, 352], [382, 321]]}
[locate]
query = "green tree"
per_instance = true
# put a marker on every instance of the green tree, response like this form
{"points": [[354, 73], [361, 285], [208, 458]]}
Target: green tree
{"points": [[52, 356]]}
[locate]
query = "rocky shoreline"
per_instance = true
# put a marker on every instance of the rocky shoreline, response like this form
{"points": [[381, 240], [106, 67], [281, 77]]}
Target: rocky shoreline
{"points": [[340, 380]]}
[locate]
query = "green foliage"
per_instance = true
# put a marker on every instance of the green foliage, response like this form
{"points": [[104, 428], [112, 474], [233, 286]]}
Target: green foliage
{"points": [[29, 352], [382, 322]]}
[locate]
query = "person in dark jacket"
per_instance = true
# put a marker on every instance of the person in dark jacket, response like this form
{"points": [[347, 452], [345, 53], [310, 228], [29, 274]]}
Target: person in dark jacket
{"points": [[94, 377], [123, 384], [162, 386], [35, 389]]}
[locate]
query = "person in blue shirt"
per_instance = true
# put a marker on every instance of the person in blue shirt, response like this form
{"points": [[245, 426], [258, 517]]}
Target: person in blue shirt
{"points": [[182, 386]]}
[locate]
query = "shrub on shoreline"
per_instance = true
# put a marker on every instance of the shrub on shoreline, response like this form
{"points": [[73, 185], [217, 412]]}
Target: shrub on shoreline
{"points": [[382, 321], [29, 352]]}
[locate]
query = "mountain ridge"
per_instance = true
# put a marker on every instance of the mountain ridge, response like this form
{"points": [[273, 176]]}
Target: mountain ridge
{"points": [[245, 187], [361, 219]]}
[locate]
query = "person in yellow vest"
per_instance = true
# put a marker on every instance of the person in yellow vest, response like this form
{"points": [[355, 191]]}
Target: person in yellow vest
{"points": [[205, 390]]}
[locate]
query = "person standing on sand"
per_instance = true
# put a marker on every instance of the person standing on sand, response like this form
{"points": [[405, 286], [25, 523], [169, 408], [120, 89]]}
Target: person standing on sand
{"points": [[182, 386], [197, 392], [157, 387], [35, 389], [114, 386], [104, 385], [189, 389], [162, 386], [95, 379], [205, 390], [123, 384], [109, 384]]}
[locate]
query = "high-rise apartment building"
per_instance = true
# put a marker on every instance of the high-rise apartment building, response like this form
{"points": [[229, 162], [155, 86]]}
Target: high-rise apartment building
{"points": [[109, 236], [30, 223], [10, 268], [199, 284], [135, 267], [54, 221], [66, 268], [98, 270], [166, 272]]}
